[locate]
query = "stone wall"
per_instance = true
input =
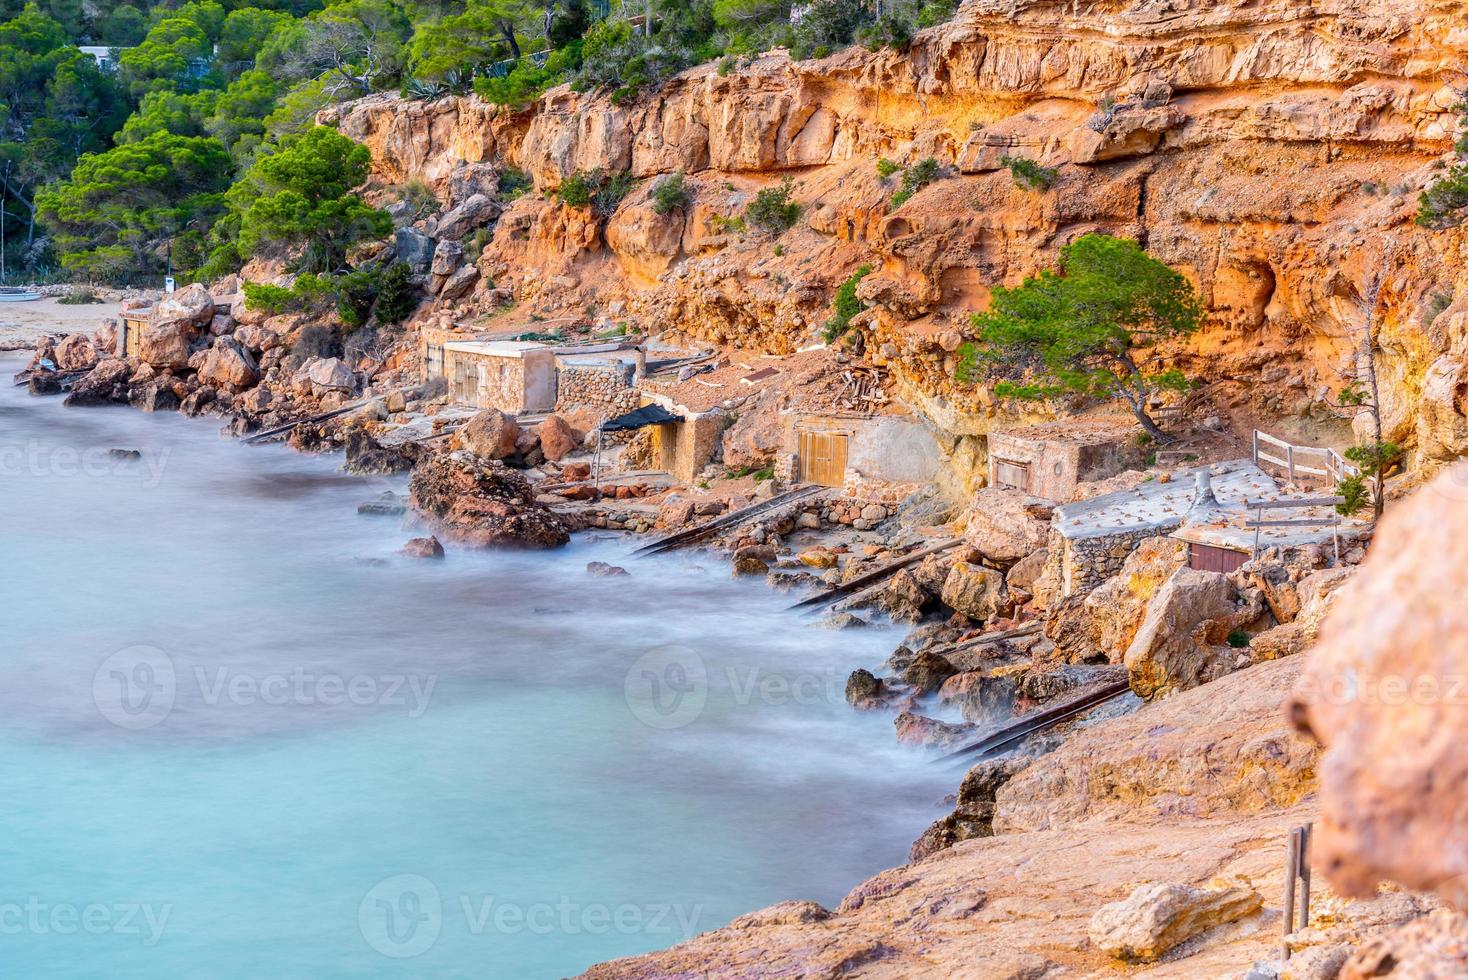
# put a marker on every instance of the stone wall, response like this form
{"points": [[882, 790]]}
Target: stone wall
{"points": [[605, 388], [1087, 562], [865, 505]]}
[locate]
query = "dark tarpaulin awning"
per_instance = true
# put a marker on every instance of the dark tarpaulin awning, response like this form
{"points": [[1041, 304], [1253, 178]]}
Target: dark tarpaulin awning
{"points": [[646, 415]]}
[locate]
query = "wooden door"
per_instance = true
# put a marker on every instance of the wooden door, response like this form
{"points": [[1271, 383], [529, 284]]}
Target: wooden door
{"points": [[1015, 476], [823, 458]]}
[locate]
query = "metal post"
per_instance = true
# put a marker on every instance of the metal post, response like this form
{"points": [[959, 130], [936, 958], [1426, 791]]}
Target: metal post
{"points": [[596, 465], [1290, 461], [1292, 870], [1256, 447], [1305, 875]]}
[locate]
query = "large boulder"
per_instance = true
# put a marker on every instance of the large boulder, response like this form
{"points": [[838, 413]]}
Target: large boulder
{"points": [[324, 374], [414, 249], [1005, 526], [557, 438], [75, 353], [976, 591], [105, 383], [1180, 643], [491, 434], [228, 363], [458, 284], [481, 503], [256, 337], [1157, 917], [191, 304], [166, 343], [478, 210], [1384, 691], [1105, 621]]}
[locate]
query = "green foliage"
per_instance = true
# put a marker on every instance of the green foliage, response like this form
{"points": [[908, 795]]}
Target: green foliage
{"points": [[1374, 457], [886, 168], [244, 32], [117, 211], [512, 183], [1029, 174], [601, 190], [1356, 493], [1444, 204], [485, 32], [671, 194], [526, 81], [1238, 639], [726, 225], [772, 210], [397, 297], [165, 111], [268, 298], [297, 202], [168, 58], [847, 305], [79, 296], [1078, 330]]}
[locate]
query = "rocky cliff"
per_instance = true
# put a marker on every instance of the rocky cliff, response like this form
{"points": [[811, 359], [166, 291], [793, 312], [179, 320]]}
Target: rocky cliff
{"points": [[1272, 151]]}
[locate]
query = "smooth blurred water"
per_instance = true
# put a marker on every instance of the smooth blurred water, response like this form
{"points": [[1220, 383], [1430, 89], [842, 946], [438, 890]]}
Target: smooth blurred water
{"points": [[241, 737]]}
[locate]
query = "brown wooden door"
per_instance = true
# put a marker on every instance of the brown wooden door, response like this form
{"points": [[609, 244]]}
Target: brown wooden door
{"points": [[1015, 476], [1207, 558], [823, 458]]}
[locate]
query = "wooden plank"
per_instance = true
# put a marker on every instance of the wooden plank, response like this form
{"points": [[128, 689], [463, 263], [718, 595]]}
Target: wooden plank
{"points": [[1322, 522], [1293, 502], [876, 575]]}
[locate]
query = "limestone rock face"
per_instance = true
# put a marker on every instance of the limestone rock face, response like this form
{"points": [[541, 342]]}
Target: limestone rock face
{"points": [[414, 249], [1107, 619], [490, 434], [1157, 917], [1224, 747], [482, 504], [1383, 692], [1180, 642], [1431, 948]]}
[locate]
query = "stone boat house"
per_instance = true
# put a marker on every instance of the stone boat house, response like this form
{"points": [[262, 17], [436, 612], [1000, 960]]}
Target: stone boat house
{"points": [[1050, 459]]}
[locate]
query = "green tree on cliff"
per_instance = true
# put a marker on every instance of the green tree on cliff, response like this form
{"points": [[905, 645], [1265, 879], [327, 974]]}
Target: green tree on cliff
{"points": [[116, 215], [298, 202], [1086, 328]]}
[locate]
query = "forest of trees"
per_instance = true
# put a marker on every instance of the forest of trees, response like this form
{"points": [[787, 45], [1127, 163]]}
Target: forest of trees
{"points": [[166, 156]]}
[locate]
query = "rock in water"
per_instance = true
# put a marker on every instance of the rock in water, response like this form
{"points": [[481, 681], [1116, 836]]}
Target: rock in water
{"points": [[482, 503], [602, 570], [1156, 917], [103, 384], [423, 548], [387, 504], [366, 457]]}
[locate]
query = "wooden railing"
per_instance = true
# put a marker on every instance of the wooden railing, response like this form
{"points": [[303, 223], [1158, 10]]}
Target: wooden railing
{"points": [[1298, 461]]}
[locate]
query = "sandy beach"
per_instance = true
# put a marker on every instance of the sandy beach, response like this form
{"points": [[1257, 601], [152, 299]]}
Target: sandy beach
{"points": [[22, 323]]}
